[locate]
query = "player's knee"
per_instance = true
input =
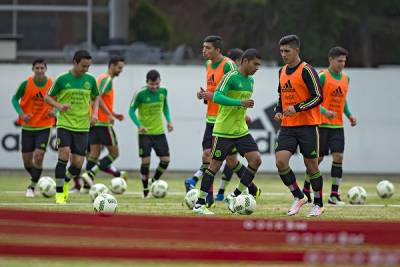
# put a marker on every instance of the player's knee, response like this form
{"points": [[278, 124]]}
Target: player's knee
{"points": [[114, 154], [206, 155], [320, 159], [281, 164], [38, 158], [165, 159], [337, 157]]}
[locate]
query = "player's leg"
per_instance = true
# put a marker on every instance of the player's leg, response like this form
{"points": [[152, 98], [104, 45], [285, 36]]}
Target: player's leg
{"points": [[227, 174], [41, 139], [28, 146], [145, 146], [160, 145], [108, 138], [337, 144], [64, 141], [90, 168]]}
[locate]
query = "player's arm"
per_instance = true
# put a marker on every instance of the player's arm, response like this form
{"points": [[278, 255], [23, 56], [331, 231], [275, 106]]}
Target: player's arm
{"points": [[17, 96], [167, 114], [278, 107], [104, 87], [132, 113], [311, 79], [50, 99], [221, 98], [347, 112], [228, 67]]}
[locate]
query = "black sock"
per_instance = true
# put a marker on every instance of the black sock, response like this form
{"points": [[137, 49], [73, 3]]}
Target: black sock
{"points": [[206, 182], [91, 162], [227, 173], [60, 172], [289, 179], [306, 188], [29, 170], [239, 169], [72, 173], [203, 168], [253, 189], [105, 162], [317, 184], [144, 172], [36, 173], [162, 166], [245, 180], [336, 174]]}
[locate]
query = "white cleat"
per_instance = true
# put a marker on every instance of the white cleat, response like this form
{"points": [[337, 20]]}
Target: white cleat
{"points": [[30, 192], [297, 204], [316, 211], [202, 210], [231, 200]]}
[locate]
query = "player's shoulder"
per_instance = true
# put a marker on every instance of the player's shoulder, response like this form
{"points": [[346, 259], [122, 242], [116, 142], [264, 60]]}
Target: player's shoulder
{"points": [[163, 90], [90, 76], [63, 75], [140, 91]]}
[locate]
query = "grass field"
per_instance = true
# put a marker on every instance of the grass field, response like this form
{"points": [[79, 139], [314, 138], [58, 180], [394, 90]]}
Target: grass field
{"points": [[274, 203]]}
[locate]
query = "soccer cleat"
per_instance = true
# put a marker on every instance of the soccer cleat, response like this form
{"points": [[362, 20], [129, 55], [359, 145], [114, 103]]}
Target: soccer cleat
{"points": [[190, 183], [124, 175], [230, 200], [211, 204], [146, 193], [202, 210], [87, 179], [335, 200], [66, 191], [75, 190], [316, 211], [258, 194], [30, 192], [219, 197], [295, 208], [60, 198]]}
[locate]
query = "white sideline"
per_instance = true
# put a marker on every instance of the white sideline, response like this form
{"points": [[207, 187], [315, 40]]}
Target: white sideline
{"points": [[141, 193]]}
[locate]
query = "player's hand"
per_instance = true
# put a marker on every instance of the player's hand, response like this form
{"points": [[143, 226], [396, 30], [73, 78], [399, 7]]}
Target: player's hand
{"points": [[26, 117], [142, 130], [278, 117], [63, 107], [208, 95], [249, 103], [330, 114], [51, 114], [289, 111], [248, 120], [170, 127], [353, 120], [200, 93], [93, 120], [119, 117]]}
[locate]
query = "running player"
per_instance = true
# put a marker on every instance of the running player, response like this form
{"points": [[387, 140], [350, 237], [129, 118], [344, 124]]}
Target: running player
{"points": [[73, 91], [298, 111], [335, 84], [231, 131], [37, 118], [151, 101], [102, 133]]}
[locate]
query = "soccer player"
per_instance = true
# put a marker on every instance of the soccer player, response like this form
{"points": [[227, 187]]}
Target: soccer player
{"points": [[74, 91], [335, 85], [235, 55], [37, 118], [151, 101], [102, 133], [298, 111], [231, 131]]}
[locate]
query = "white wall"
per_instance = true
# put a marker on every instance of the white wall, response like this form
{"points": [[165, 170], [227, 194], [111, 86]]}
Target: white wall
{"points": [[371, 147]]}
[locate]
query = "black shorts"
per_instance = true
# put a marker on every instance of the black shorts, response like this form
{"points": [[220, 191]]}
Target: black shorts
{"points": [[76, 141], [306, 137], [331, 140], [32, 140], [223, 147], [208, 137], [102, 135], [157, 142]]}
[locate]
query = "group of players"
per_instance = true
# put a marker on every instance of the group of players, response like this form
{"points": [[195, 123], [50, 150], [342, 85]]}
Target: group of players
{"points": [[82, 108]]}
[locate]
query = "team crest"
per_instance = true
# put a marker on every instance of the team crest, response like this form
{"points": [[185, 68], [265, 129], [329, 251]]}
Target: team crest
{"points": [[86, 85]]}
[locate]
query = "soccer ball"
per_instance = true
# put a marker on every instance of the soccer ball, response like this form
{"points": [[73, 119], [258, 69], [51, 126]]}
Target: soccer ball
{"points": [[191, 198], [159, 189], [105, 204], [357, 195], [245, 204], [97, 190], [118, 185], [385, 189], [47, 186]]}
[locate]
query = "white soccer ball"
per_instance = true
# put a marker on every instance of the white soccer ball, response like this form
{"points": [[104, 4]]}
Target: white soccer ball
{"points": [[191, 198], [118, 185], [97, 190], [47, 186], [385, 189], [245, 204], [159, 188], [105, 204], [357, 195]]}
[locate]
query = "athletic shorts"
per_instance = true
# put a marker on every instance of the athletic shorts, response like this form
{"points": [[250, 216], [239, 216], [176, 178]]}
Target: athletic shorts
{"points": [[222, 147], [76, 141], [102, 135], [305, 137], [331, 140], [208, 138], [157, 142], [32, 140]]}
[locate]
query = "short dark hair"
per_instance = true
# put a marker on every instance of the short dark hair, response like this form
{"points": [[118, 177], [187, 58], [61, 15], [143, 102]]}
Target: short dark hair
{"points": [[234, 53], [152, 75], [215, 40], [39, 61], [337, 51], [251, 54], [115, 59], [291, 40], [81, 54]]}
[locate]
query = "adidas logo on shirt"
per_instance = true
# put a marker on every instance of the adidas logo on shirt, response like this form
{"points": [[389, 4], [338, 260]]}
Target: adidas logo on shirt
{"points": [[211, 80], [337, 92], [287, 87]]}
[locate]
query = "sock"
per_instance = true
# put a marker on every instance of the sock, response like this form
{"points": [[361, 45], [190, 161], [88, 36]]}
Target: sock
{"points": [[35, 174], [72, 173], [336, 174], [226, 178], [91, 163], [28, 169], [289, 179], [77, 182], [105, 162], [306, 188], [210, 195], [239, 169], [60, 171], [206, 182], [113, 171], [253, 189], [200, 172], [162, 166], [317, 183], [245, 180], [144, 172]]}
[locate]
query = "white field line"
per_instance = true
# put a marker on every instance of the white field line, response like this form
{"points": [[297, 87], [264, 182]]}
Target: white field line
{"points": [[141, 193]]}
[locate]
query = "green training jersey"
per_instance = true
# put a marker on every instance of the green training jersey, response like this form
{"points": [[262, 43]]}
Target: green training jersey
{"points": [[151, 106], [77, 92], [231, 119]]}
